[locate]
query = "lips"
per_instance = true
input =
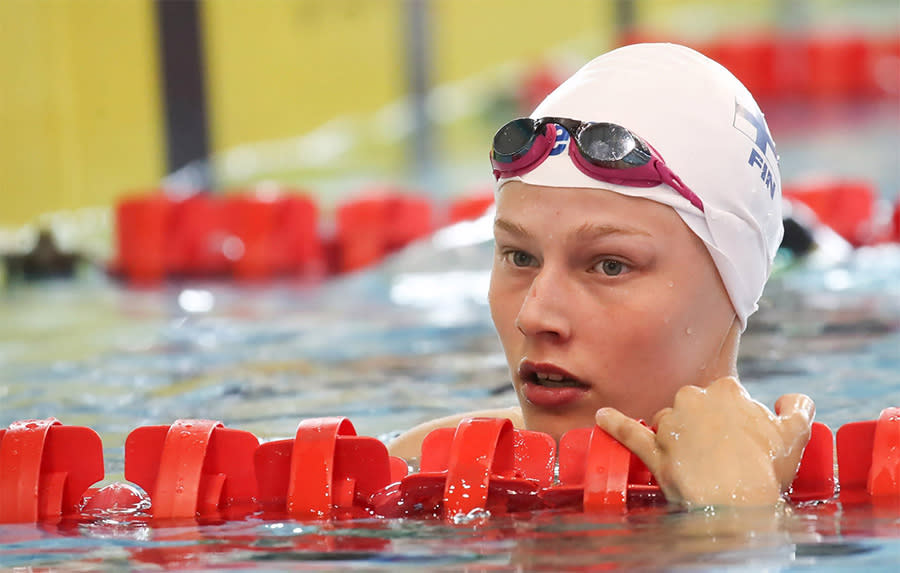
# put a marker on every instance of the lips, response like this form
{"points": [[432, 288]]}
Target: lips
{"points": [[549, 386]]}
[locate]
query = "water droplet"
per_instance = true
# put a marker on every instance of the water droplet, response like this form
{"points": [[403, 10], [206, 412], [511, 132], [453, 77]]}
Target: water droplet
{"points": [[476, 516], [688, 331]]}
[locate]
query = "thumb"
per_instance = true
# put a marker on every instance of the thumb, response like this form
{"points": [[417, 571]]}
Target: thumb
{"points": [[795, 415], [633, 435]]}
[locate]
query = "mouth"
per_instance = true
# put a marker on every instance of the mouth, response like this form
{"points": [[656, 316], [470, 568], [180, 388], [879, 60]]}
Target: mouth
{"points": [[548, 376]]}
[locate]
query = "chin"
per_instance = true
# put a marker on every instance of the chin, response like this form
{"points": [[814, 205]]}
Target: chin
{"points": [[556, 424]]}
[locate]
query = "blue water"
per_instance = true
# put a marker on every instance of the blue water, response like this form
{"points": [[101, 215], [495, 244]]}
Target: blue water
{"points": [[405, 342], [92, 353]]}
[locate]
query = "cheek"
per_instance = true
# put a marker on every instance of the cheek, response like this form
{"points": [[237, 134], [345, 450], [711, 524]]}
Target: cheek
{"points": [[687, 326], [706, 311], [643, 331], [503, 307], [645, 337]]}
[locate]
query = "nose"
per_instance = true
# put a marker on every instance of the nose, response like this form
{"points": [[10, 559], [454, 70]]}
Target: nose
{"points": [[546, 310]]}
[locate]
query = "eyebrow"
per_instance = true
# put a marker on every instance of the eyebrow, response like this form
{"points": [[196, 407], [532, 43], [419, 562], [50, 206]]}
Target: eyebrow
{"points": [[590, 231], [586, 232], [511, 228]]}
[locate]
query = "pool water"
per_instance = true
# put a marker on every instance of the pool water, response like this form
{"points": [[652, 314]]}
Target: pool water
{"points": [[368, 347], [402, 343], [813, 539]]}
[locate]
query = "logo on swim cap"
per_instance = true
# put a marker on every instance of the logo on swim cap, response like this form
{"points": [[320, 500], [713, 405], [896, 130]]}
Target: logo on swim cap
{"points": [[562, 138], [751, 123]]}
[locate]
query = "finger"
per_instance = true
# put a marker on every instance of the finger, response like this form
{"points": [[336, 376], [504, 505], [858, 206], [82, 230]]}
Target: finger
{"points": [[732, 388], [659, 416], [795, 415], [688, 397], [633, 435], [729, 385], [794, 402]]}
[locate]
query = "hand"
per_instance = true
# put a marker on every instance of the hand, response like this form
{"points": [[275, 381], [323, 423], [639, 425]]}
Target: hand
{"points": [[717, 446]]}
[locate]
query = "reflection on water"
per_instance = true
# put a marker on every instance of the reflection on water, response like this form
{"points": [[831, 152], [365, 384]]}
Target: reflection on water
{"points": [[804, 538]]}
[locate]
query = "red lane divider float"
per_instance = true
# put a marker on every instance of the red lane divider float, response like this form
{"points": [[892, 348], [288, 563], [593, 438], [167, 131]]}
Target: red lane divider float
{"points": [[193, 468], [869, 457], [836, 67], [141, 236], [471, 205], [45, 468], [895, 223], [196, 231], [199, 469], [596, 473], [377, 224], [325, 471], [263, 235], [815, 476], [849, 207], [481, 464]]}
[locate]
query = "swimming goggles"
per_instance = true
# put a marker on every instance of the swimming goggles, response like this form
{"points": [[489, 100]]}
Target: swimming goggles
{"points": [[605, 151]]}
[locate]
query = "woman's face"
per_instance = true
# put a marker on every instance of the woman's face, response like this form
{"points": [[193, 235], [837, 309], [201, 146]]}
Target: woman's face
{"points": [[603, 300]]}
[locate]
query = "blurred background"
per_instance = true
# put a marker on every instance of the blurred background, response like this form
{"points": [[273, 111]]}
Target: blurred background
{"points": [[104, 99]]}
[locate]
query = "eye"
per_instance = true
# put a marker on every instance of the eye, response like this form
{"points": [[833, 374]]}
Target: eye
{"points": [[520, 258], [611, 267]]}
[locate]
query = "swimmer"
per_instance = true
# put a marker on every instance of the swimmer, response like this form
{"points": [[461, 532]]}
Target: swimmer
{"points": [[638, 212]]}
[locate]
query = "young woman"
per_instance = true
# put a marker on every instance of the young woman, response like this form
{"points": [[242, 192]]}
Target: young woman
{"points": [[637, 217]]}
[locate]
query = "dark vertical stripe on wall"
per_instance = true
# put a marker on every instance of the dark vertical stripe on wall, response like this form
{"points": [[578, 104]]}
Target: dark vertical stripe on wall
{"points": [[418, 63], [183, 81], [626, 19]]}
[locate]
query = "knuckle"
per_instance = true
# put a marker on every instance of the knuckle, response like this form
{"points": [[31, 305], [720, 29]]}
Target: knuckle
{"points": [[687, 395]]}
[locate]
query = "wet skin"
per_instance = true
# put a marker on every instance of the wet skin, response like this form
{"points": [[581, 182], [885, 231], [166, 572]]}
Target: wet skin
{"points": [[716, 446], [613, 294]]}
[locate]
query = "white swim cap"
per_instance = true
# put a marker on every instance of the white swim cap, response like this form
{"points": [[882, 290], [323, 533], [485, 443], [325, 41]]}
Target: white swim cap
{"points": [[710, 132]]}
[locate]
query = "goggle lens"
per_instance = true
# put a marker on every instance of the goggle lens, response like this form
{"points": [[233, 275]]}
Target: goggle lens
{"points": [[514, 139], [611, 146]]}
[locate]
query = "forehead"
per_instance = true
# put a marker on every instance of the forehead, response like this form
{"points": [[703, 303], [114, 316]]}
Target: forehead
{"points": [[561, 209]]}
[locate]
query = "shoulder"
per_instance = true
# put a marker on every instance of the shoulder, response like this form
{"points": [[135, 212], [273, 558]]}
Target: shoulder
{"points": [[408, 445]]}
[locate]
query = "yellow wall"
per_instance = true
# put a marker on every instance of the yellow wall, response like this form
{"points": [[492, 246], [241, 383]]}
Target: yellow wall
{"points": [[704, 19], [80, 106], [472, 36], [80, 116], [278, 68]]}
